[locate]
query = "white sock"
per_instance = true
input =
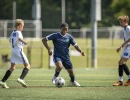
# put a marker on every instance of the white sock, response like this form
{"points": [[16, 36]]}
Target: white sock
{"points": [[121, 78]]}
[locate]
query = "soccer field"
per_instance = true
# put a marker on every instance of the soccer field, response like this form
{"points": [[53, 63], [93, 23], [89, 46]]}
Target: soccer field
{"points": [[38, 55], [96, 84]]}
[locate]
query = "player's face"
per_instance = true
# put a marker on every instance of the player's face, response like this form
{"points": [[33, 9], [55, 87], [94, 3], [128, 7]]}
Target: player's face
{"points": [[64, 30], [123, 23], [21, 27]]}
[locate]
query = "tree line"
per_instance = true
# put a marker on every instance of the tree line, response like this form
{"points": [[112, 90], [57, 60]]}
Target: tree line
{"points": [[77, 12]]}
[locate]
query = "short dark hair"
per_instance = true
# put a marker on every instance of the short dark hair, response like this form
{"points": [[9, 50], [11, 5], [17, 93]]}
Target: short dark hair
{"points": [[64, 25]]}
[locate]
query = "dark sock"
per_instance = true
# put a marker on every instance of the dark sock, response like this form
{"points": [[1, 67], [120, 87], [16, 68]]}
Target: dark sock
{"points": [[120, 70], [7, 74], [24, 73], [56, 74], [72, 78], [126, 69]]}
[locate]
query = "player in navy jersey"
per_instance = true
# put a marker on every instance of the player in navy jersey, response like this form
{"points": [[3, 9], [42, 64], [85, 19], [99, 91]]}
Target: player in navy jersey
{"points": [[61, 41], [124, 20], [17, 55]]}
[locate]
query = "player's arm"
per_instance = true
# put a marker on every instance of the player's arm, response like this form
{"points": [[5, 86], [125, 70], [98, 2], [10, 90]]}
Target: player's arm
{"points": [[44, 41], [118, 49], [22, 41], [19, 36], [79, 50], [125, 43], [73, 42]]}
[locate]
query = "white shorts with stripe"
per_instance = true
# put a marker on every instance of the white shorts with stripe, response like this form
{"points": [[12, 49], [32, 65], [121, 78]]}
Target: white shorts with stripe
{"points": [[18, 57], [126, 52]]}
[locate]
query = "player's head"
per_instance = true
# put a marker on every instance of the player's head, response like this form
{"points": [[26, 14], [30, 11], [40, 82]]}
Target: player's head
{"points": [[124, 20], [19, 24], [64, 28]]}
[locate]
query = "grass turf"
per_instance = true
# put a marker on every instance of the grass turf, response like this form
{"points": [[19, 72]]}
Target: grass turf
{"points": [[96, 84], [106, 53]]}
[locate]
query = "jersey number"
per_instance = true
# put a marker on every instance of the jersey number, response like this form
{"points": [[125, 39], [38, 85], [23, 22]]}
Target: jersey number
{"points": [[12, 42], [14, 35]]}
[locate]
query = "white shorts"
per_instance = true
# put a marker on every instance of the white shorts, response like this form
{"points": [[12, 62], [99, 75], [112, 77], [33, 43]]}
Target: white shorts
{"points": [[126, 52], [18, 57]]}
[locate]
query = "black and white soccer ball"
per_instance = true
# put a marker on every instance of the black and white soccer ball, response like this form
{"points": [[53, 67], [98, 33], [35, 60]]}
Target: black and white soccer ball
{"points": [[59, 82]]}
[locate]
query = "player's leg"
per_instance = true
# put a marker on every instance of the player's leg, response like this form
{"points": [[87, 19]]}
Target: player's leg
{"points": [[57, 70], [126, 69], [59, 65], [125, 57], [6, 76], [68, 66], [72, 77], [122, 66], [23, 74], [25, 70]]}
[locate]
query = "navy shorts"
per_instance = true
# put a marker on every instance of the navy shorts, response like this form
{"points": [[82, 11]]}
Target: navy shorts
{"points": [[66, 62]]}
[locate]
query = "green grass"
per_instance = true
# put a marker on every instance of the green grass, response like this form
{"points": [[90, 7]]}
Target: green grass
{"points": [[106, 53], [96, 84]]}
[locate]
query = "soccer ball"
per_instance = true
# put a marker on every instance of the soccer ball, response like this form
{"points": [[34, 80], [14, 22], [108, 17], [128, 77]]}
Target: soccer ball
{"points": [[59, 82]]}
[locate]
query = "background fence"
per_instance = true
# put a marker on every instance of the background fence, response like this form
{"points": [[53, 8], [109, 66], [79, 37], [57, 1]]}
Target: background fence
{"points": [[33, 29]]}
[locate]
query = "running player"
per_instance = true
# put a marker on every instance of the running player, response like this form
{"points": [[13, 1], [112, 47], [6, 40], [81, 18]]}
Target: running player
{"points": [[17, 55], [124, 20], [61, 41]]}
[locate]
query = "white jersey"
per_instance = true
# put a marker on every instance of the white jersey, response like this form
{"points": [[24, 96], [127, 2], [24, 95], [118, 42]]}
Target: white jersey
{"points": [[17, 55], [126, 33], [14, 39], [126, 49]]}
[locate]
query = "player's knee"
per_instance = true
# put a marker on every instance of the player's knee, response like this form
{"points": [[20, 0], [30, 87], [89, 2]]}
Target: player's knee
{"points": [[28, 67], [12, 69], [59, 68]]}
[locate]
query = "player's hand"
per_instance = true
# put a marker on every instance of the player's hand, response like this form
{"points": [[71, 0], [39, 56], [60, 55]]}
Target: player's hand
{"points": [[25, 43], [82, 53], [50, 52], [118, 49]]}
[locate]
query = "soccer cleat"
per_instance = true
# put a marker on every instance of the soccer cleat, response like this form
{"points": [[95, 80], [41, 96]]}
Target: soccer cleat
{"points": [[119, 83], [127, 83], [3, 84], [53, 80], [75, 83], [22, 82]]}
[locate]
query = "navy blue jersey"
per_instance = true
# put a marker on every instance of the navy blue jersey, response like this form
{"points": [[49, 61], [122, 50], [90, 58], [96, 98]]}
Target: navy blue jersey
{"points": [[61, 43]]}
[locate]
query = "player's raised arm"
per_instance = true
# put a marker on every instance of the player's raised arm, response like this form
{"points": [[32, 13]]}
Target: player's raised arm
{"points": [[44, 41]]}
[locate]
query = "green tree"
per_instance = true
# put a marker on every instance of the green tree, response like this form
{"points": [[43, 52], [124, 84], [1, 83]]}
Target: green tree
{"points": [[107, 14], [51, 13], [23, 9], [78, 13], [121, 7]]}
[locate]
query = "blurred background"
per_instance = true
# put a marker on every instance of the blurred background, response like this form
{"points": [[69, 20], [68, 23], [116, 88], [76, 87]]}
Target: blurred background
{"points": [[43, 17]]}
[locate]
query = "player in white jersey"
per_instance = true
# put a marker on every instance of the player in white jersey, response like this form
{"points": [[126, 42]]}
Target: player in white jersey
{"points": [[124, 20], [17, 55]]}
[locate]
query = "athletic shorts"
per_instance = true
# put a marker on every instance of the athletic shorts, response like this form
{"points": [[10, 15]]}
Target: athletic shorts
{"points": [[18, 57], [126, 52], [66, 62]]}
